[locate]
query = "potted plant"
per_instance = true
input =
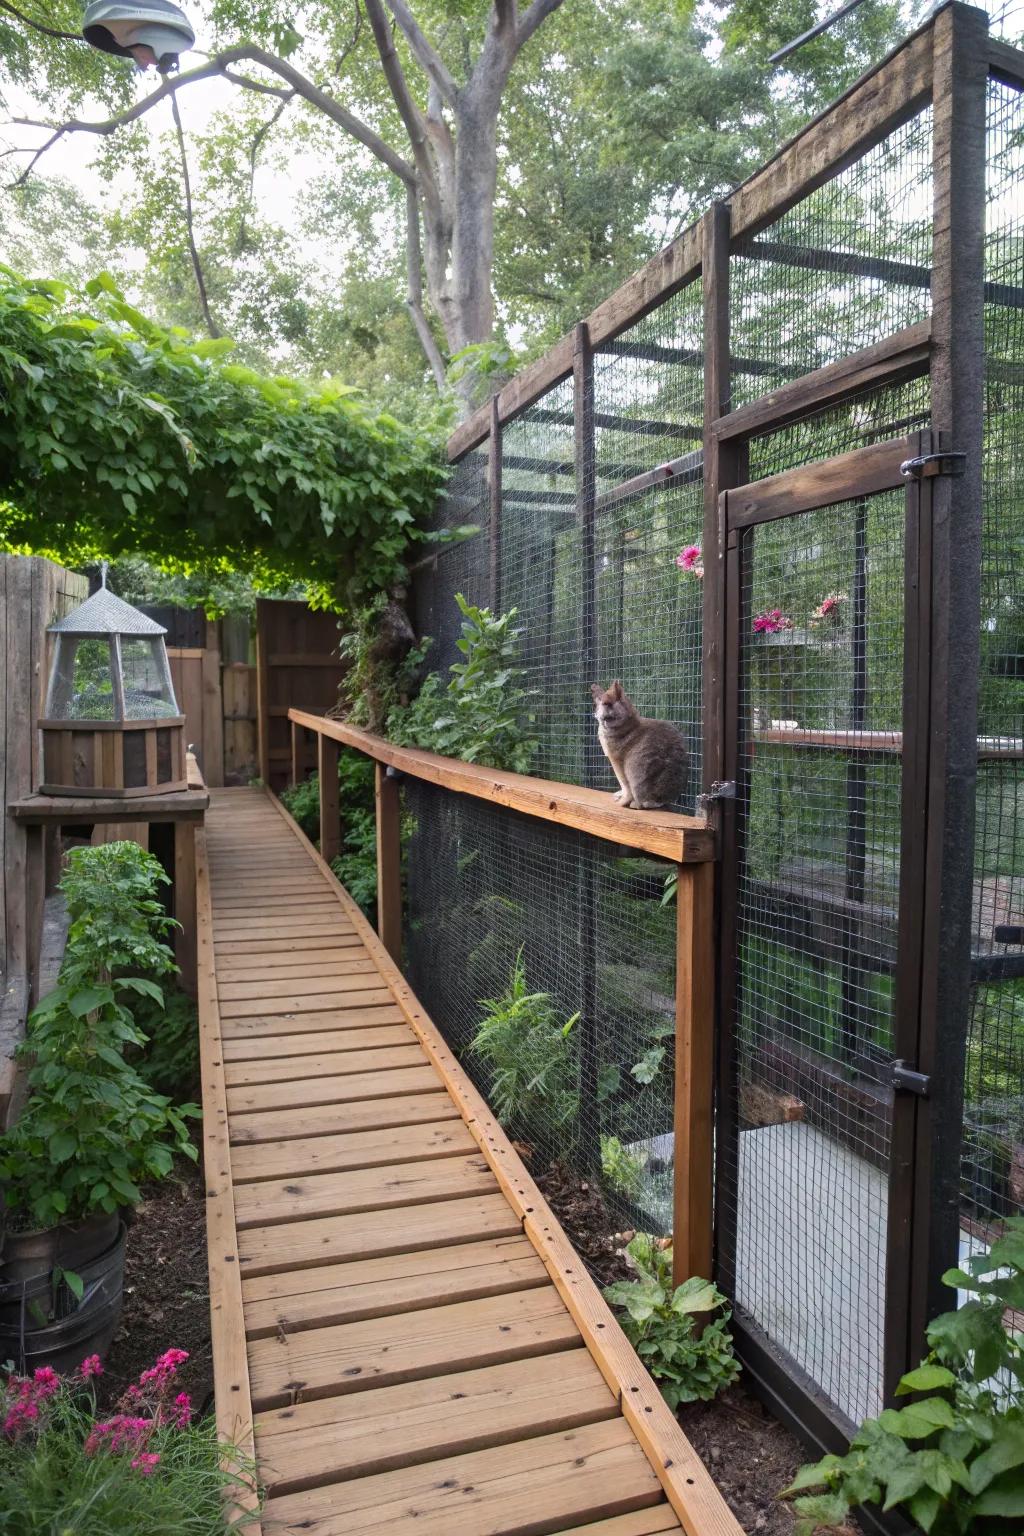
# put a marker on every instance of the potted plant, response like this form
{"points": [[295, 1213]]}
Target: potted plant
{"points": [[92, 1130]]}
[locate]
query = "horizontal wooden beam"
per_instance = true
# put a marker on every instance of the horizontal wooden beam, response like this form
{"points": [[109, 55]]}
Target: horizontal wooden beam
{"points": [[1005, 62], [683, 839], [990, 748], [863, 472], [902, 356], [681, 471]]}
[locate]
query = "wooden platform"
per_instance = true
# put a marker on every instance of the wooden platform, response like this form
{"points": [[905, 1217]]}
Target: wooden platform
{"points": [[402, 1332]]}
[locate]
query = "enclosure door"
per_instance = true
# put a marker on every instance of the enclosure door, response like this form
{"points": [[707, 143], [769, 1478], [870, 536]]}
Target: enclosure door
{"points": [[822, 849]]}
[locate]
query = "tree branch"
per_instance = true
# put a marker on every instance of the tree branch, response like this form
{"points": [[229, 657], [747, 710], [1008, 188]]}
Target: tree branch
{"points": [[247, 83], [37, 26], [409, 112], [217, 65], [539, 11], [414, 302], [425, 54], [204, 302]]}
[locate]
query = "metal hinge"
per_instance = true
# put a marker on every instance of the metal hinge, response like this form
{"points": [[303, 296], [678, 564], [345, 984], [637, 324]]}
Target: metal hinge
{"points": [[721, 789], [905, 1079], [927, 464]]}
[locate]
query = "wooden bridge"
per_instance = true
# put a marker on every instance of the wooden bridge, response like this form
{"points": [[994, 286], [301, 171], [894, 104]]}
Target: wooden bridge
{"points": [[403, 1336]]}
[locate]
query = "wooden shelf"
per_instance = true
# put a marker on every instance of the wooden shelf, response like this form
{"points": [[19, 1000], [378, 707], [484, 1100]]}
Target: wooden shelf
{"points": [[178, 805], [683, 839]]}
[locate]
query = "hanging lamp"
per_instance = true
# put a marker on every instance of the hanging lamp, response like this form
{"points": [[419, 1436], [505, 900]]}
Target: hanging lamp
{"points": [[150, 32]]}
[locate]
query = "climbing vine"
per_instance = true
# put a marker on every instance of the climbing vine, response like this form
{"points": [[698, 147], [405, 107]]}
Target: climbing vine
{"points": [[119, 437]]}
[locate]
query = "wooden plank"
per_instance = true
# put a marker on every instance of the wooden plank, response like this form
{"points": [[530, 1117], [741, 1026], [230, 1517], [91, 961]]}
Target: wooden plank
{"points": [[527, 386], [342, 1118], [253, 1048], [275, 985], [271, 928], [174, 805], [230, 1361], [283, 1069], [863, 472], [389, 861], [294, 945], [659, 1521], [360, 990], [351, 1357], [1006, 63], [248, 968], [693, 1120], [263, 741], [390, 1427], [687, 1484], [572, 1476], [679, 838], [327, 1294], [213, 708], [879, 102], [360, 1149], [185, 951], [287, 1026], [309, 1196], [304, 1244], [902, 356], [330, 807], [305, 1093]]}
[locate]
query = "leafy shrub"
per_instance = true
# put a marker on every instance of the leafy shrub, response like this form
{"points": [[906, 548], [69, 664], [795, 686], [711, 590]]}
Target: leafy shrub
{"points": [[302, 802], [623, 1170], [143, 1470], [483, 713], [93, 1129], [356, 866], [531, 1060], [169, 1061], [660, 1323], [953, 1461], [384, 662]]}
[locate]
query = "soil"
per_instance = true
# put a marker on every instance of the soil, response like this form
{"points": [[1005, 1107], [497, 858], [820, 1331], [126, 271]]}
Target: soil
{"points": [[166, 1291], [748, 1452]]}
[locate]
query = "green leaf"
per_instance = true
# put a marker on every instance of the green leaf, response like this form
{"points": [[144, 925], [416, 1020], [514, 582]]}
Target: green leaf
{"points": [[926, 1378], [62, 1145]]}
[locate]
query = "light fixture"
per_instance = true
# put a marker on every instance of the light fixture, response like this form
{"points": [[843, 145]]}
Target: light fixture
{"points": [[150, 32]]}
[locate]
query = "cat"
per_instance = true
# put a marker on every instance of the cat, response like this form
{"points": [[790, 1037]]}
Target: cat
{"points": [[648, 757]]}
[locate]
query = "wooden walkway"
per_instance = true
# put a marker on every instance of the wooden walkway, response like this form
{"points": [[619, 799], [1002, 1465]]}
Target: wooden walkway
{"points": [[402, 1332]]}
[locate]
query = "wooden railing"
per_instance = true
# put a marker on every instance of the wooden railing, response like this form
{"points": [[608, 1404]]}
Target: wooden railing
{"points": [[687, 841]]}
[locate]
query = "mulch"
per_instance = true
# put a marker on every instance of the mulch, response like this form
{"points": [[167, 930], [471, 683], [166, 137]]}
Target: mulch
{"points": [[166, 1291]]}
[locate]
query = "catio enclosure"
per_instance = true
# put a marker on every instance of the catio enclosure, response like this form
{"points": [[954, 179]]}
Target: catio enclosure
{"points": [[820, 387]]}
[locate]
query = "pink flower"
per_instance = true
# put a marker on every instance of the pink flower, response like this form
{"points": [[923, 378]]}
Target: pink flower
{"points": [[771, 622], [183, 1411], [91, 1366], [46, 1382], [146, 1462], [165, 1367], [690, 559]]}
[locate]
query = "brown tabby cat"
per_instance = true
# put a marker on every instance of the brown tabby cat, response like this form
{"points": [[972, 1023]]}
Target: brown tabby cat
{"points": [[648, 757]]}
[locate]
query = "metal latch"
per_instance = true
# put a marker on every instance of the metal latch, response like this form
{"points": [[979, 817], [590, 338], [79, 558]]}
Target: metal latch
{"points": [[927, 464], [904, 1078], [721, 789]]}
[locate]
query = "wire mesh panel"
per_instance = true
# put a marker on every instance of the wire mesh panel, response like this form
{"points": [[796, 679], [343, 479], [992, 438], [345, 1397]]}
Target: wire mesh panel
{"points": [[818, 894], [460, 566], [577, 1055], [846, 267], [993, 1141]]}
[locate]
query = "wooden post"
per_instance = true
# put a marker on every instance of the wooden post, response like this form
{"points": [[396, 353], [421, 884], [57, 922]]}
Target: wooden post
{"points": [[296, 773], [213, 708], [389, 863], [330, 811], [694, 1086], [262, 694], [494, 493], [35, 895], [185, 903]]}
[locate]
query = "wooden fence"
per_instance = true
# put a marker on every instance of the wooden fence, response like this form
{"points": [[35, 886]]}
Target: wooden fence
{"points": [[297, 665]]}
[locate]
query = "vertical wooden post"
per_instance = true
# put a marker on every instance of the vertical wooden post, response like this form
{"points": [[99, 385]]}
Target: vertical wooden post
{"points": [[694, 1085], [296, 768], [330, 809], [389, 863], [213, 708], [494, 492], [262, 692], [185, 903], [35, 896]]}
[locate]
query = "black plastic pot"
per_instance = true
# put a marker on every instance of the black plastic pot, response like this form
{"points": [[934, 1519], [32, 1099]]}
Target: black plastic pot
{"points": [[42, 1322]]}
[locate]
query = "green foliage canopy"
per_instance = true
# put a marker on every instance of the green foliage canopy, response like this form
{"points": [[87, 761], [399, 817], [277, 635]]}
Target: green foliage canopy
{"points": [[119, 437]]}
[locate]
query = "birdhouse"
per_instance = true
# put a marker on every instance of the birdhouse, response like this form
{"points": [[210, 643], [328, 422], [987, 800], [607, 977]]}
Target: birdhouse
{"points": [[150, 31], [112, 727]]}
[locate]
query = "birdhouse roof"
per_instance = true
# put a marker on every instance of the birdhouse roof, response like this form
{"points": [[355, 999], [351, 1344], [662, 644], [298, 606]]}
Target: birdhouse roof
{"points": [[106, 614]]}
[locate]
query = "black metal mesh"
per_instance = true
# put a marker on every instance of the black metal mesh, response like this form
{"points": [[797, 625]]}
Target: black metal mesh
{"points": [[485, 885], [993, 1143], [821, 708], [846, 267], [454, 567]]}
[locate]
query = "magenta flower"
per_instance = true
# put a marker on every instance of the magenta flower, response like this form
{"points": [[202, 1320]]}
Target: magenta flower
{"points": [[91, 1366], [771, 622], [691, 560], [165, 1368], [146, 1462], [183, 1411]]}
